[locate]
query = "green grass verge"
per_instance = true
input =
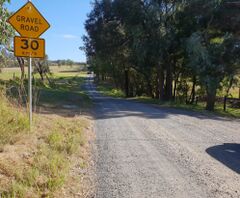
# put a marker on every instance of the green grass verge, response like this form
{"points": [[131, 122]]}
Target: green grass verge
{"points": [[67, 89], [50, 165], [108, 90], [11, 123], [200, 107], [9, 73], [58, 139]]}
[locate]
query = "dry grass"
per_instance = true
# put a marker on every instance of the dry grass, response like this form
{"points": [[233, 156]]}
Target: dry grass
{"points": [[38, 164], [53, 160], [11, 123]]}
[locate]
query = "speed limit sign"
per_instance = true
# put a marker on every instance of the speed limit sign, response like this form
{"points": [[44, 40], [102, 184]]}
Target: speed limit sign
{"points": [[30, 24], [27, 47]]}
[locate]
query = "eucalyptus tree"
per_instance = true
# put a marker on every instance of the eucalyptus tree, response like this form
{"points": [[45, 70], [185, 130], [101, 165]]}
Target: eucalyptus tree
{"points": [[6, 30], [156, 47], [213, 47]]}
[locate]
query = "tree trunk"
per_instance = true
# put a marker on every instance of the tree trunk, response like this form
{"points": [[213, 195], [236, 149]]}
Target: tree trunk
{"points": [[175, 86], [131, 91], [169, 81], [40, 73], [97, 77], [157, 96], [21, 65], [150, 89], [230, 86], [49, 80], [193, 93], [161, 83], [127, 83], [211, 99], [149, 86]]}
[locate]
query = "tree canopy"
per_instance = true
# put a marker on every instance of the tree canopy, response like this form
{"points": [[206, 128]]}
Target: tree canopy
{"points": [[166, 49], [6, 30]]}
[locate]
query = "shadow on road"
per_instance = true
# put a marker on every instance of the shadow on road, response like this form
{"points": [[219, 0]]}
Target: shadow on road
{"points": [[108, 108], [228, 154]]}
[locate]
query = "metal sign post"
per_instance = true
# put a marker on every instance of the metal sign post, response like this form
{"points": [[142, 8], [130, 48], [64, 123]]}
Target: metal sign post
{"points": [[30, 91]]}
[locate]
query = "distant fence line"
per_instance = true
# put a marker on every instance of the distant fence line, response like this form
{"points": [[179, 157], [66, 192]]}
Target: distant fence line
{"points": [[235, 102]]}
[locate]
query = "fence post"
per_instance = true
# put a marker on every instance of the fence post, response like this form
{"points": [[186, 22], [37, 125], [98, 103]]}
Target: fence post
{"points": [[225, 103], [197, 98]]}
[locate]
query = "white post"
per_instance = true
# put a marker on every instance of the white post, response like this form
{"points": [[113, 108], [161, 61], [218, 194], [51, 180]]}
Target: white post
{"points": [[30, 91]]}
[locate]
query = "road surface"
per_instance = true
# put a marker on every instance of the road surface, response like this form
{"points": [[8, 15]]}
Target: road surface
{"points": [[143, 151]]}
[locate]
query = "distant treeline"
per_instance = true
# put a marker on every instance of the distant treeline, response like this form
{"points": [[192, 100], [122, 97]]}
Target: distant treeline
{"points": [[11, 61], [65, 62]]}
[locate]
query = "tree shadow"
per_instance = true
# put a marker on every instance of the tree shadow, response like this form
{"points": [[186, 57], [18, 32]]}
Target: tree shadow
{"points": [[107, 107], [227, 154], [66, 99]]}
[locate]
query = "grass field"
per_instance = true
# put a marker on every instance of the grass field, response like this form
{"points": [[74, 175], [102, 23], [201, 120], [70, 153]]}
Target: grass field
{"points": [[38, 163], [9, 73], [67, 91]]}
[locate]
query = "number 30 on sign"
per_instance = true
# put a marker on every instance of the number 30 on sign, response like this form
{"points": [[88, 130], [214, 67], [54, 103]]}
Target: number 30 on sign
{"points": [[27, 47]]}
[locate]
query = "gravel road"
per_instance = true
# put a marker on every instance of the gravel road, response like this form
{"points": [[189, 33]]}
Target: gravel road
{"points": [[147, 151]]}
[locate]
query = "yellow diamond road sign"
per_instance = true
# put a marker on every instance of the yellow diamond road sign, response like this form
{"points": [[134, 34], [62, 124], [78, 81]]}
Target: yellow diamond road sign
{"points": [[28, 21]]}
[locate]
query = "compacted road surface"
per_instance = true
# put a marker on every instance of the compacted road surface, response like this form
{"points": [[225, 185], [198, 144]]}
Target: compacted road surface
{"points": [[147, 151]]}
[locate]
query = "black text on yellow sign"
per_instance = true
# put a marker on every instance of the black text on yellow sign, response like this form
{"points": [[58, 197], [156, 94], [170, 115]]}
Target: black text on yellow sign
{"points": [[28, 21], [26, 47]]}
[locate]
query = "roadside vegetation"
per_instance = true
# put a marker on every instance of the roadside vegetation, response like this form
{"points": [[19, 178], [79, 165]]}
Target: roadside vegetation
{"points": [[172, 51], [108, 89], [52, 159], [44, 167], [11, 124], [39, 163]]}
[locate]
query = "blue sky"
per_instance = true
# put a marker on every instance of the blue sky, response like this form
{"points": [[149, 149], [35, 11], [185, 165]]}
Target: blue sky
{"points": [[66, 18]]}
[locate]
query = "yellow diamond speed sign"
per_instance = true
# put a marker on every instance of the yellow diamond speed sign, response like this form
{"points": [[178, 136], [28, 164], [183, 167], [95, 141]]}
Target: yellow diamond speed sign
{"points": [[27, 47], [28, 21]]}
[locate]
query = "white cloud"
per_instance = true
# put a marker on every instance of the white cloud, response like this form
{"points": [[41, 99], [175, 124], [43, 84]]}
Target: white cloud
{"points": [[70, 36]]}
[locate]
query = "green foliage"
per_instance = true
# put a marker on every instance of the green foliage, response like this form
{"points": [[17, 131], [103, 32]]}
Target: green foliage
{"points": [[11, 123], [41, 67], [67, 88], [109, 90], [6, 30], [49, 166], [146, 47], [204, 60]]}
